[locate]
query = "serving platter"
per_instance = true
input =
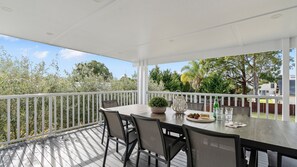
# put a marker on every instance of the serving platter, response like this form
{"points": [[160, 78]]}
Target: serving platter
{"points": [[202, 120]]}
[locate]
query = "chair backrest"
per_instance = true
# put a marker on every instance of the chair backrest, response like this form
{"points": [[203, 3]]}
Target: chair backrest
{"points": [[211, 149], [237, 110], [196, 106], [114, 124], [109, 103], [149, 134]]}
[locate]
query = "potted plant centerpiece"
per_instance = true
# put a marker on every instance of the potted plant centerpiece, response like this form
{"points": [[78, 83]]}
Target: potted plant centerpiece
{"points": [[158, 105]]}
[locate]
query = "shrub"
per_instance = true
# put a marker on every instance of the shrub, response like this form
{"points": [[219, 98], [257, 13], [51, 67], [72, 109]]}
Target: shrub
{"points": [[158, 102]]}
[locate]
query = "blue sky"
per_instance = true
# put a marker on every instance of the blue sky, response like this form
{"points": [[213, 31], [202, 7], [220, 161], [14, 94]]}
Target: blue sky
{"points": [[67, 58]]}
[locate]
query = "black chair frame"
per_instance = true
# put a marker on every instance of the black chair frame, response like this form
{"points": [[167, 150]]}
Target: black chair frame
{"points": [[129, 145], [143, 150]]}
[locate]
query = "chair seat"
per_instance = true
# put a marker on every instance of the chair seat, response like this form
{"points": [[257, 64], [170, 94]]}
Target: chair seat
{"points": [[176, 148], [132, 135]]}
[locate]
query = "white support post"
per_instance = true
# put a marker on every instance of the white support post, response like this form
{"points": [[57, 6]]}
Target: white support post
{"points": [[142, 82], [286, 79]]}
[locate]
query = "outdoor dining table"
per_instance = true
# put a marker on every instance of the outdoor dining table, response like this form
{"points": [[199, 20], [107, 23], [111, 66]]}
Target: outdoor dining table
{"points": [[259, 134]]}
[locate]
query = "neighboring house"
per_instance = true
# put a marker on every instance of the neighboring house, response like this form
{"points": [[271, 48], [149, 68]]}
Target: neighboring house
{"points": [[268, 89]]}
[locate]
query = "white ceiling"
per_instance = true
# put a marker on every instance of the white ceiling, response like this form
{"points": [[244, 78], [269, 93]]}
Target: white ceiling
{"points": [[158, 31]]}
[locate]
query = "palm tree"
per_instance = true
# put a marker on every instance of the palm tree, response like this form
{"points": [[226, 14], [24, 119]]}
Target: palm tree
{"points": [[194, 73]]}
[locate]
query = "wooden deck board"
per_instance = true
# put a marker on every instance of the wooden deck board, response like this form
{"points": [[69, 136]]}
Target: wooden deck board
{"points": [[79, 148]]}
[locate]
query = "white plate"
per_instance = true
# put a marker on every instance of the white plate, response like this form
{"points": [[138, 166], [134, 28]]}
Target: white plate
{"points": [[211, 119]]}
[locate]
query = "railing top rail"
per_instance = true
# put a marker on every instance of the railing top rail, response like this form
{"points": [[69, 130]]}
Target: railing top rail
{"points": [[217, 94], [61, 94]]}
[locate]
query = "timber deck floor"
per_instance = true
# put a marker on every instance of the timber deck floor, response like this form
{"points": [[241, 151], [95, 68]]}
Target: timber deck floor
{"points": [[78, 148]]}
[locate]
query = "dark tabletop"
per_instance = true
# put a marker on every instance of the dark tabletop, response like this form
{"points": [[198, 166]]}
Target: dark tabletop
{"points": [[262, 134]]}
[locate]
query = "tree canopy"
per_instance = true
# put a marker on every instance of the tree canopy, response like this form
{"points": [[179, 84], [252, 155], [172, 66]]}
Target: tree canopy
{"points": [[93, 68]]}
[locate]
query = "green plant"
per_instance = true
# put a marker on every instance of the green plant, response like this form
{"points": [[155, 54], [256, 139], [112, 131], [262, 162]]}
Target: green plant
{"points": [[158, 102]]}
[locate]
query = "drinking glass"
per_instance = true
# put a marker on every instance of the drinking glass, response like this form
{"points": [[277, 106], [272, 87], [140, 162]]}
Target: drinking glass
{"points": [[228, 114], [219, 114]]}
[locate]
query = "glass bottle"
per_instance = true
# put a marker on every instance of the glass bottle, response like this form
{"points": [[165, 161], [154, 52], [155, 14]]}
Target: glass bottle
{"points": [[215, 107]]}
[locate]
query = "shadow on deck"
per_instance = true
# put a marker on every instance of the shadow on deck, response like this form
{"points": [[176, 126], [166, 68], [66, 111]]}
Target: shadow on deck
{"points": [[78, 148]]}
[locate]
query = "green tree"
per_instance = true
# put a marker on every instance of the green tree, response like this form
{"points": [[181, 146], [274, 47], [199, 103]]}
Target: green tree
{"points": [[95, 68], [194, 73], [215, 83], [156, 74], [248, 69]]}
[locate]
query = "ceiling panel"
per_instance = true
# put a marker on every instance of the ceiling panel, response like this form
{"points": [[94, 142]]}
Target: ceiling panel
{"points": [[133, 30]]}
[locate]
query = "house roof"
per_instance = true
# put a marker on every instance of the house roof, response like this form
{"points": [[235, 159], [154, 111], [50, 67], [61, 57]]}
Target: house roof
{"points": [[153, 30]]}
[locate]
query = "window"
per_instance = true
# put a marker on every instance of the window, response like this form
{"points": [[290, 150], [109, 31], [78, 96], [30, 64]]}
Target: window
{"points": [[272, 85]]}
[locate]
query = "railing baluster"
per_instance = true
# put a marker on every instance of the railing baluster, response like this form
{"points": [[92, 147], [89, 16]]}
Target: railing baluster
{"points": [[50, 114], [258, 107], [18, 118], [78, 110], [73, 111], [35, 116], [84, 110], [8, 120], [118, 97], [267, 109], [27, 117], [42, 106], [61, 112], [55, 113], [276, 109], [251, 107], [122, 100], [210, 104], [133, 102], [88, 108], [97, 110], [100, 104], [228, 100], [93, 108], [204, 102], [67, 110]]}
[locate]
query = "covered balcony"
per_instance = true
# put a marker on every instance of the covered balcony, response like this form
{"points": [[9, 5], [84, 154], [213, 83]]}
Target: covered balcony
{"points": [[65, 129]]}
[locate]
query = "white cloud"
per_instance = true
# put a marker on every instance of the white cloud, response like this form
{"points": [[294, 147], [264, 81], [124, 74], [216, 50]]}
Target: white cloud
{"points": [[8, 38], [41, 54], [68, 54]]}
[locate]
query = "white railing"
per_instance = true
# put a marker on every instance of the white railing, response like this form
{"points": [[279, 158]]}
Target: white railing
{"points": [[259, 105], [30, 116]]}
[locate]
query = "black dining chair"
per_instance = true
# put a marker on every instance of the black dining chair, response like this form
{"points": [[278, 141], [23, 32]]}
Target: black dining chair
{"points": [[212, 149], [119, 134], [195, 106], [243, 111], [285, 161], [238, 110], [107, 104], [152, 140]]}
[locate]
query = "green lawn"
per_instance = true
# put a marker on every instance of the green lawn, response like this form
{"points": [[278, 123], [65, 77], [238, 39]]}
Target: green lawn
{"points": [[270, 116], [270, 101]]}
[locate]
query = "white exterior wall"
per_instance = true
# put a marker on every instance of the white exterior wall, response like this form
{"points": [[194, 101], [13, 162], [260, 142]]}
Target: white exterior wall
{"points": [[267, 89]]}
